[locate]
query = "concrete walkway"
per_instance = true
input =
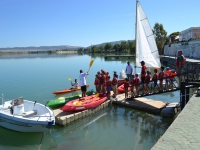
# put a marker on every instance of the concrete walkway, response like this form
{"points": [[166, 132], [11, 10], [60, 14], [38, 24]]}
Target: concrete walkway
{"points": [[184, 132]]}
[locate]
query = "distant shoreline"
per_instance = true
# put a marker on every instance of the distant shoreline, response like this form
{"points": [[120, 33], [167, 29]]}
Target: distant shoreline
{"points": [[35, 52]]}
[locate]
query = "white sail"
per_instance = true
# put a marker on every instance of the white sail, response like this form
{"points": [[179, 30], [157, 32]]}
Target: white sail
{"points": [[146, 48]]}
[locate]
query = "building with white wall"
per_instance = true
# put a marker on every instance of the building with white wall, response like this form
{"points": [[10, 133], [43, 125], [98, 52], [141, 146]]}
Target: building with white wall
{"points": [[193, 32]]}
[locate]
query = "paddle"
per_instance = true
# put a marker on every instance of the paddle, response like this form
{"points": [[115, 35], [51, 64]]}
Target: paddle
{"points": [[70, 79], [91, 63]]}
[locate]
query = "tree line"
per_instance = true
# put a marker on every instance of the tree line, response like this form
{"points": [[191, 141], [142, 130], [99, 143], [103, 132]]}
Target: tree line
{"points": [[160, 35]]}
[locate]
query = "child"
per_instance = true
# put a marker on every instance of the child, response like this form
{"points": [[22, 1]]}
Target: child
{"points": [[137, 83], [160, 77], [97, 83], [132, 82], [167, 74], [75, 84], [114, 85], [126, 85], [108, 88], [155, 79], [172, 75], [146, 82]]}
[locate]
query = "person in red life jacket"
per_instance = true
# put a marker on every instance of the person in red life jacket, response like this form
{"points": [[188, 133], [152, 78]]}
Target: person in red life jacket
{"points": [[114, 85], [100, 78], [172, 75], [161, 75], [143, 73], [155, 79], [126, 86], [109, 87], [137, 84], [146, 82], [132, 83], [97, 83], [180, 62], [106, 80], [167, 75]]}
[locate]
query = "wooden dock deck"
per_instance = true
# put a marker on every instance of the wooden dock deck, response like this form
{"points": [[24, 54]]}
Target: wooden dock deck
{"points": [[149, 105]]}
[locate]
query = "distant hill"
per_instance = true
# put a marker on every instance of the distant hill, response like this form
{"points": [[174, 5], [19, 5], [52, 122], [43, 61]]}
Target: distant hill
{"points": [[47, 48], [42, 48], [113, 43]]}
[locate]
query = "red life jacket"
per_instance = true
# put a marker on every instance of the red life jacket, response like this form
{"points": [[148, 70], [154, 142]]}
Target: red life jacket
{"points": [[137, 81], [96, 82], [114, 81], [183, 61]]}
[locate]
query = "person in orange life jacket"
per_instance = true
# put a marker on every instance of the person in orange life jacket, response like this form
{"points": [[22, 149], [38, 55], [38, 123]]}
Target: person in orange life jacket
{"points": [[114, 85], [167, 80], [161, 75], [83, 82], [132, 82], [75, 84], [109, 87], [180, 62], [137, 84], [97, 83], [172, 75], [143, 73], [146, 82], [155, 79], [126, 85]]}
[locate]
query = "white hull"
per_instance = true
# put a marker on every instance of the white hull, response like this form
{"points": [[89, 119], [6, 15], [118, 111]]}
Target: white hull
{"points": [[40, 120]]}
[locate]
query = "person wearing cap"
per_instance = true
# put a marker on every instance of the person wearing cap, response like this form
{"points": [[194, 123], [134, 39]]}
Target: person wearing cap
{"points": [[143, 73], [82, 78], [114, 85], [155, 79], [129, 70]]}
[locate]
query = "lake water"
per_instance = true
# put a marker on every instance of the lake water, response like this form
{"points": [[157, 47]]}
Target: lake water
{"points": [[35, 77]]}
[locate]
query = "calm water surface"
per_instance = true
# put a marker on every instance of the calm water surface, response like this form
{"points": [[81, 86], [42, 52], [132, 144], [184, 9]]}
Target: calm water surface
{"points": [[35, 77]]}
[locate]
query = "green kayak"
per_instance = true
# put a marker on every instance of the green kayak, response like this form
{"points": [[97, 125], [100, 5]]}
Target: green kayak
{"points": [[62, 100]]}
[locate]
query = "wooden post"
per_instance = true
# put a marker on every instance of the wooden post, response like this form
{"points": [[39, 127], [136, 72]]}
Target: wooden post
{"points": [[187, 94], [182, 95]]}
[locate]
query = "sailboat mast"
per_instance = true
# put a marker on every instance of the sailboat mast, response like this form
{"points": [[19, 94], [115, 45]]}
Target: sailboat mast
{"points": [[135, 35]]}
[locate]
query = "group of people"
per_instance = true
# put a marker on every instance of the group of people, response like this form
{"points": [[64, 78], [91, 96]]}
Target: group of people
{"points": [[104, 84]]}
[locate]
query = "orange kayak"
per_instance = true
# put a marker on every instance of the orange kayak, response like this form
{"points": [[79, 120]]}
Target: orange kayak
{"points": [[68, 90]]}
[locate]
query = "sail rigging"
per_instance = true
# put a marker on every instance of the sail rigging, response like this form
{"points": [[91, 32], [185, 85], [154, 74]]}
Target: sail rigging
{"points": [[146, 48]]}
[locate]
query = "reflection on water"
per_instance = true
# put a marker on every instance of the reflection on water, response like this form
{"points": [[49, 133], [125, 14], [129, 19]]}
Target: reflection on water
{"points": [[112, 128], [35, 77]]}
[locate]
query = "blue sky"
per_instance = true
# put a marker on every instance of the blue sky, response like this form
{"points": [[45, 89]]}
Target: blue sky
{"points": [[87, 22]]}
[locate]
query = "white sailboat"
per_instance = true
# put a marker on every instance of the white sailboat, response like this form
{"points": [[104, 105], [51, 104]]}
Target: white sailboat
{"points": [[146, 48]]}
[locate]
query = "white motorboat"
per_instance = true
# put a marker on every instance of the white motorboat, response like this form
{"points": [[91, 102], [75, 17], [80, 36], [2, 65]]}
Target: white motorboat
{"points": [[25, 116]]}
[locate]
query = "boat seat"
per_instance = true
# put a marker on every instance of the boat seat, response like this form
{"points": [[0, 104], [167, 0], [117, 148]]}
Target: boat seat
{"points": [[29, 113]]}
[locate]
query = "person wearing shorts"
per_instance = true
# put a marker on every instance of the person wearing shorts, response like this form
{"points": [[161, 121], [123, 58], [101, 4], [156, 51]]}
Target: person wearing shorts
{"points": [[129, 70], [82, 78]]}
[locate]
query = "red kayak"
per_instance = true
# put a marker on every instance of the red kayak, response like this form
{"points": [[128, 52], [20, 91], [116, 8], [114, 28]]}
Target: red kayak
{"points": [[84, 103], [121, 89], [68, 90], [120, 82]]}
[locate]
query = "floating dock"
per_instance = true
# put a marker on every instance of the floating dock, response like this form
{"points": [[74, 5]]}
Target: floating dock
{"points": [[149, 105]]}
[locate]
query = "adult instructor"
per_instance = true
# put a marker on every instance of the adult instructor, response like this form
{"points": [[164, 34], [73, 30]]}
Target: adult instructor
{"points": [[82, 78], [129, 70]]}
